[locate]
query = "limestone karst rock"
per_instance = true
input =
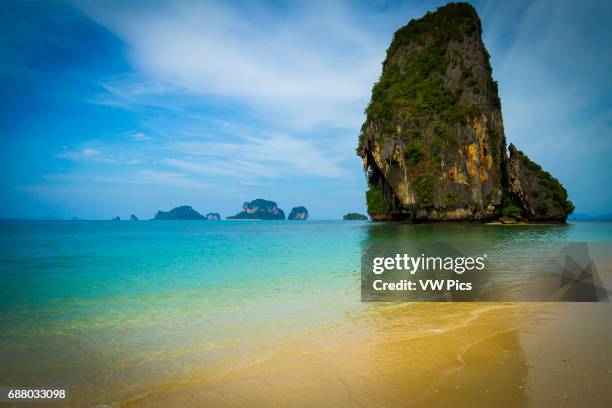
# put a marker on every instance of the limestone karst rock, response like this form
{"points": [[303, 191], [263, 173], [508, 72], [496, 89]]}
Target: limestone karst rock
{"points": [[433, 142], [259, 209], [184, 212]]}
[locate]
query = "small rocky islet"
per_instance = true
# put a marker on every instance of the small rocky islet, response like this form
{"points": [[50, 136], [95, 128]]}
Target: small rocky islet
{"points": [[298, 213], [354, 217], [259, 209], [185, 212], [433, 143]]}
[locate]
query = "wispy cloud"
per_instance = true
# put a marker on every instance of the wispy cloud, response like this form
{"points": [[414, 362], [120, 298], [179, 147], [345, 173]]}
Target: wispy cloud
{"points": [[80, 154], [135, 162], [141, 137], [91, 155], [270, 156], [145, 176], [168, 178], [240, 170], [309, 66], [84, 154]]}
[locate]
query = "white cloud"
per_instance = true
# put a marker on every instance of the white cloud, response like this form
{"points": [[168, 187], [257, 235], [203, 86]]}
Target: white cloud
{"points": [[311, 65], [168, 179], [225, 168], [110, 156], [273, 156], [86, 153], [90, 152], [145, 177], [135, 162], [141, 137]]}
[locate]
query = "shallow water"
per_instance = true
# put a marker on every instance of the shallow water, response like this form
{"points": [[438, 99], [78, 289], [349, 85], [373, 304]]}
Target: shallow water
{"points": [[112, 310]]}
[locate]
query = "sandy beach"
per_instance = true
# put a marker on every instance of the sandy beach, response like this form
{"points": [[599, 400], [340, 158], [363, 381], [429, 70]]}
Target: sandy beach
{"points": [[427, 355], [507, 355]]}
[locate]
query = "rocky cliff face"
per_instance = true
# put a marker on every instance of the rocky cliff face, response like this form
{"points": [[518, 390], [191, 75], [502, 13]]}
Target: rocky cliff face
{"points": [[433, 141], [539, 195]]}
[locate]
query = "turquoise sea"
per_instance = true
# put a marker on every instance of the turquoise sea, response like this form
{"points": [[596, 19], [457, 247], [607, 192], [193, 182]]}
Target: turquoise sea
{"points": [[111, 310]]}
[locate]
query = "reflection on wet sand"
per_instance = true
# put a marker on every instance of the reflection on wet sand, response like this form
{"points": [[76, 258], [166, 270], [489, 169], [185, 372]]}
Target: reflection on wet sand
{"points": [[411, 355]]}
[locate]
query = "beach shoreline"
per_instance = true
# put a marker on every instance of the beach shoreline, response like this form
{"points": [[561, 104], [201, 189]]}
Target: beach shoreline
{"points": [[370, 365], [499, 354]]}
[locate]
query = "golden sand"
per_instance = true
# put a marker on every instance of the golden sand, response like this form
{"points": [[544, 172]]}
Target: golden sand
{"points": [[425, 355], [381, 364]]}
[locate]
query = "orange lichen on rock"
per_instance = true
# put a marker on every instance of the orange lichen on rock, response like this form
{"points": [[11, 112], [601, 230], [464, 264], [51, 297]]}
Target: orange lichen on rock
{"points": [[472, 161]]}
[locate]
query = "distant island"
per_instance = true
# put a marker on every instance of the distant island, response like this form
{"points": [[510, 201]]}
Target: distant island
{"points": [[298, 213], [116, 218], [133, 218], [354, 217], [259, 209], [433, 142], [184, 212], [213, 216]]}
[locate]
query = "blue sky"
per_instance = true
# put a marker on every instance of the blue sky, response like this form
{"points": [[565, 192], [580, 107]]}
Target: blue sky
{"points": [[113, 107]]}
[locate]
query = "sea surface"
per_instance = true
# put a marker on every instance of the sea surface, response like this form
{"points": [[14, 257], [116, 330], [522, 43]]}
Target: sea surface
{"points": [[111, 310]]}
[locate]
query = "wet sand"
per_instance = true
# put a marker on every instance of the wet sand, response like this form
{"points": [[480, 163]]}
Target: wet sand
{"points": [[571, 356], [425, 355], [380, 366]]}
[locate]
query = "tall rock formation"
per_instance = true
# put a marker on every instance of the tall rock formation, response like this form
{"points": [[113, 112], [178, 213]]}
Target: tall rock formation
{"points": [[433, 142]]}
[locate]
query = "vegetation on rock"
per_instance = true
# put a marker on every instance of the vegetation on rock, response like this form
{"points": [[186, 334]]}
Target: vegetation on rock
{"points": [[375, 200], [540, 196], [298, 213], [184, 212], [554, 189], [259, 209]]}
